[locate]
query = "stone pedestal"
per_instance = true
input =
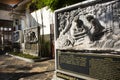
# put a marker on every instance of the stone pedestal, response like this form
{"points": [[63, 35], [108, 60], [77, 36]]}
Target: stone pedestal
{"points": [[87, 41]]}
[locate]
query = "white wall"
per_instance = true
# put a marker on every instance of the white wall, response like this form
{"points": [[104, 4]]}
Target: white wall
{"points": [[47, 18]]}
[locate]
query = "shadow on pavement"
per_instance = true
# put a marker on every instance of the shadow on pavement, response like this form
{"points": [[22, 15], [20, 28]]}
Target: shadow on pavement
{"points": [[17, 76], [2, 52]]}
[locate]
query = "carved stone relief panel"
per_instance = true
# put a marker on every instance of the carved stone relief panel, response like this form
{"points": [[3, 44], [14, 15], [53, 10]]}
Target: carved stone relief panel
{"points": [[31, 35], [31, 41], [17, 36], [93, 26]]}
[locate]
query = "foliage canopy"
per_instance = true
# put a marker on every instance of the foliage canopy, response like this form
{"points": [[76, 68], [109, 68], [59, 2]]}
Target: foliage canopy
{"points": [[53, 4]]}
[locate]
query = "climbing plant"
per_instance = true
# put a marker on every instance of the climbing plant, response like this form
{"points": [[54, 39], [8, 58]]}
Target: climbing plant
{"points": [[53, 4]]}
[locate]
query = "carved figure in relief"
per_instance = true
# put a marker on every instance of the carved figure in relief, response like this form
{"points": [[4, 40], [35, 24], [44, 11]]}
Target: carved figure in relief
{"points": [[96, 29], [31, 36], [78, 30]]}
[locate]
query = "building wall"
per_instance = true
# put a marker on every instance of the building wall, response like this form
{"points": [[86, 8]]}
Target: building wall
{"points": [[5, 15], [47, 18], [34, 19]]}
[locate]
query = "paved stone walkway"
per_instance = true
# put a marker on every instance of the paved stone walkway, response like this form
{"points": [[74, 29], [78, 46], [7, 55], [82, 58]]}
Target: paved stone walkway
{"points": [[15, 69]]}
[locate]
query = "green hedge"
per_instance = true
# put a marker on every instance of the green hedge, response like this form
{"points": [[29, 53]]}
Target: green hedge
{"points": [[24, 55]]}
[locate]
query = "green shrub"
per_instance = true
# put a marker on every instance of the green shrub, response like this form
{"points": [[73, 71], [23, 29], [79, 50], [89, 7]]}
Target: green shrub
{"points": [[24, 55]]}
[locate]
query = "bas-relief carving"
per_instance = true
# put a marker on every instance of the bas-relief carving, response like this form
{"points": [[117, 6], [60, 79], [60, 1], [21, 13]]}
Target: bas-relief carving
{"points": [[16, 36], [95, 26], [31, 41], [31, 35]]}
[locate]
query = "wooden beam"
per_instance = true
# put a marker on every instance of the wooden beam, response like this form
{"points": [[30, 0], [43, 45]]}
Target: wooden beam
{"points": [[10, 1]]}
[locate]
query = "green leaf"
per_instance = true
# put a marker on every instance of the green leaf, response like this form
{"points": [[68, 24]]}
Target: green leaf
{"points": [[54, 4]]}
